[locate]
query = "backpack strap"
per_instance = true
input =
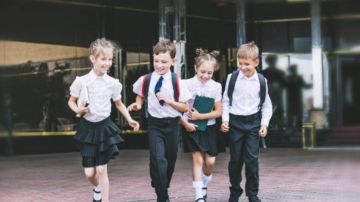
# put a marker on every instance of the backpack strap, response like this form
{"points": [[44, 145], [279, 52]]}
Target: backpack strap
{"points": [[176, 86], [232, 83], [231, 86], [145, 85], [175, 83], [262, 90]]}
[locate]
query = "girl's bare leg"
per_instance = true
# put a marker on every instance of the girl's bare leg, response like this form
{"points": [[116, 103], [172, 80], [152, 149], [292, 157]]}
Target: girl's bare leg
{"points": [[90, 174], [209, 164], [101, 171]]}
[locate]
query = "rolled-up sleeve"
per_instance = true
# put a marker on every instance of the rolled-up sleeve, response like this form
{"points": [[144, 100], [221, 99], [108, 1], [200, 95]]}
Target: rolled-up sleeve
{"points": [[185, 94], [267, 110], [75, 87], [218, 96], [116, 94], [137, 86]]}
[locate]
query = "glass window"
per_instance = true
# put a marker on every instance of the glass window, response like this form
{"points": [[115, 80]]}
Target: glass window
{"points": [[35, 80], [137, 64]]}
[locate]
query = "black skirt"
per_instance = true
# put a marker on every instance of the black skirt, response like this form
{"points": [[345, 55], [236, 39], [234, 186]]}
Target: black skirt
{"points": [[98, 141], [209, 141]]}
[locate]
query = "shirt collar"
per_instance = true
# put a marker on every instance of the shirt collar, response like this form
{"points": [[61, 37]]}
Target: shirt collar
{"points": [[92, 76], [199, 83], [253, 77], [166, 76]]}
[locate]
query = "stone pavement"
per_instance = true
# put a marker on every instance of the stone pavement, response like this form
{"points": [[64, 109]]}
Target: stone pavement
{"points": [[321, 175]]}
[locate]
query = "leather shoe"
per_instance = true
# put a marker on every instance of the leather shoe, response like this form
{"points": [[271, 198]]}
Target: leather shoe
{"points": [[233, 198], [205, 191], [200, 200], [254, 199]]}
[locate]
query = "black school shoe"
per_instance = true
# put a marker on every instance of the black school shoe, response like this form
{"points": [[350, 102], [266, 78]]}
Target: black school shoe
{"points": [[200, 200], [205, 190], [234, 198], [254, 199]]}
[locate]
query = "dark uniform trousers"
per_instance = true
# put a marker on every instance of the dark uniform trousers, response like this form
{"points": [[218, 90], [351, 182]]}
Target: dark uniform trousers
{"points": [[163, 145], [244, 148]]}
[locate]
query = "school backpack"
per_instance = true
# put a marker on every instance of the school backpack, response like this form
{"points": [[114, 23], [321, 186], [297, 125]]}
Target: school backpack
{"points": [[175, 84], [232, 82]]}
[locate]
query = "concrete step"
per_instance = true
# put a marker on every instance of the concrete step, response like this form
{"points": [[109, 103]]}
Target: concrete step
{"points": [[345, 136]]}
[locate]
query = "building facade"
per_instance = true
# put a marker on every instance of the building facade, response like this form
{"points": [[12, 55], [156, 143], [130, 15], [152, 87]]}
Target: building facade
{"points": [[44, 45]]}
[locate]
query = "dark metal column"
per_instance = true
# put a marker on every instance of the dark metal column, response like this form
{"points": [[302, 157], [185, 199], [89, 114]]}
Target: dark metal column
{"points": [[164, 11], [173, 13], [240, 22], [180, 36]]}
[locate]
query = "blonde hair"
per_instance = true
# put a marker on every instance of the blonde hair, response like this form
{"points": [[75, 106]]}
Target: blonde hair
{"points": [[98, 45], [248, 50], [203, 55], [163, 46]]}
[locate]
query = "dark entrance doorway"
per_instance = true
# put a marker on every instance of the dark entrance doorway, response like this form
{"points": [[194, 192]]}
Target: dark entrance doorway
{"points": [[351, 93]]}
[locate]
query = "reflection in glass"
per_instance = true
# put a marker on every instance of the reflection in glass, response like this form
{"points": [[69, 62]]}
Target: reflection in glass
{"points": [[37, 77]]}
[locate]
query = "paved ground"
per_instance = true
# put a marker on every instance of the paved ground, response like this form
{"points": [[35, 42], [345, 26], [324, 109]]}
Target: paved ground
{"points": [[286, 175]]}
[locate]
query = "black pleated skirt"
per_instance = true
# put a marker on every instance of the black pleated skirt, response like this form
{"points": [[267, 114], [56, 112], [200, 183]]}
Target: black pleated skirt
{"points": [[209, 141], [98, 141]]}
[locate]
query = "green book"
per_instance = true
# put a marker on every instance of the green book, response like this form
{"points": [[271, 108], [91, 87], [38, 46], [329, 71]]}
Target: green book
{"points": [[202, 105]]}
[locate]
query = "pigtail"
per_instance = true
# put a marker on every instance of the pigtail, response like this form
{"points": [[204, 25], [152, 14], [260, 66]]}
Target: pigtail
{"points": [[204, 55], [200, 52], [214, 53]]}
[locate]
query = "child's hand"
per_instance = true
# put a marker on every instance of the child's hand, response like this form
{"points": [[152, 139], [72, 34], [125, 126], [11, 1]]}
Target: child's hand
{"points": [[134, 124], [161, 96], [190, 127], [263, 131], [134, 107], [225, 127], [194, 114], [83, 109]]}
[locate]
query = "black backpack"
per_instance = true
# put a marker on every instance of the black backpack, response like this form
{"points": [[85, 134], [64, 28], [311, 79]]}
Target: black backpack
{"points": [[232, 82], [175, 83], [146, 84]]}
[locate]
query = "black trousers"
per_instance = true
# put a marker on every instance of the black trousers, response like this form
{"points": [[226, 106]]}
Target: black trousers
{"points": [[163, 145], [244, 148]]}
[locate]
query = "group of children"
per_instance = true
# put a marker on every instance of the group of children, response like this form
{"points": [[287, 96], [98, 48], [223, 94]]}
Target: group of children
{"points": [[169, 102]]}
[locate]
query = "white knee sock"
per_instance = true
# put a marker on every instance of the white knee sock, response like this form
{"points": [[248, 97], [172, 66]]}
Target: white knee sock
{"points": [[97, 193], [198, 185], [206, 179]]}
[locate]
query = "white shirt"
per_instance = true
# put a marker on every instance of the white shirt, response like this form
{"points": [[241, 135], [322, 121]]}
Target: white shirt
{"points": [[101, 89], [246, 99], [154, 107], [210, 89]]}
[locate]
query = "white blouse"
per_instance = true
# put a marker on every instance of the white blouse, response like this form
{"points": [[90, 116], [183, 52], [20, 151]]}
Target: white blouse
{"points": [[210, 89], [101, 89]]}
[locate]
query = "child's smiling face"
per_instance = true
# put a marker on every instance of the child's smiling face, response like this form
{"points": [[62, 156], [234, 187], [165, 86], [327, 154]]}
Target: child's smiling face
{"points": [[103, 61], [205, 71], [162, 62], [247, 65]]}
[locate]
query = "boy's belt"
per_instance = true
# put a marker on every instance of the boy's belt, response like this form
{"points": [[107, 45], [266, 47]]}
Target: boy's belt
{"points": [[167, 119], [251, 117]]}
